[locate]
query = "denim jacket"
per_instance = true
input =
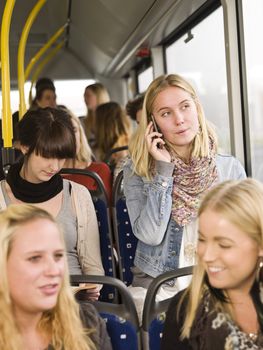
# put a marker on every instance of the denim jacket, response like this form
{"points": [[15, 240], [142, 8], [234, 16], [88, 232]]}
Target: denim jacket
{"points": [[149, 204]]}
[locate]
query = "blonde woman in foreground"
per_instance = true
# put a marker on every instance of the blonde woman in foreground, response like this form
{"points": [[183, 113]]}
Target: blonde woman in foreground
{"points": [[223, 306], [38, 310]]}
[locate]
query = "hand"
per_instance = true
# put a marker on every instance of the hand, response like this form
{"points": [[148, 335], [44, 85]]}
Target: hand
{"points": [[91, 293], [155, 144]]}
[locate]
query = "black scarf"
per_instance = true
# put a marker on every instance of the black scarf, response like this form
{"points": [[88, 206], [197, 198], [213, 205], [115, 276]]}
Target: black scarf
{"points": [[29, 192]]}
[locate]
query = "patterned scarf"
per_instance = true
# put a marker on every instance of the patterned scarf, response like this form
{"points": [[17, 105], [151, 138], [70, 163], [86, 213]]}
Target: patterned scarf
{"points": [[191, 181], [211, 324]]}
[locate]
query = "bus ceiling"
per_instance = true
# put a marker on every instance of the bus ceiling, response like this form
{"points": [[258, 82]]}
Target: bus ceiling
{"points": [[102, 37]]}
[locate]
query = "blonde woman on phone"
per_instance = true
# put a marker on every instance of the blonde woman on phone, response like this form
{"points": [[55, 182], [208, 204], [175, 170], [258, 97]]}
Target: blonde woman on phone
{"points": [[172, 165]]}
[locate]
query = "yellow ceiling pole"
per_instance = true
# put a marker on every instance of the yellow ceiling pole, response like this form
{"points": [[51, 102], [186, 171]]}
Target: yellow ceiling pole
{"points": [[43, 49], [7, 130], [21, 55], [42, 64]]}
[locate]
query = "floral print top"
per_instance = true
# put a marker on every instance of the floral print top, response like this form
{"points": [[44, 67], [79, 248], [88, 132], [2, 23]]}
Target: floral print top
{"points": [[211, 329]]}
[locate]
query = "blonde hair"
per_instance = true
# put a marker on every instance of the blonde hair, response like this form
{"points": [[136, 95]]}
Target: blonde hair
{"points": [[241, 203], [102, 96], [141, 158], [84, 154], [112, 128], [62, 323]]}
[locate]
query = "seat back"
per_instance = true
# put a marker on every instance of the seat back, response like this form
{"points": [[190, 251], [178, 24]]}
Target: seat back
{"points": [[126, 242], [121, 319], [112, 151], [154, 311], [104, 171], [100, 201]]}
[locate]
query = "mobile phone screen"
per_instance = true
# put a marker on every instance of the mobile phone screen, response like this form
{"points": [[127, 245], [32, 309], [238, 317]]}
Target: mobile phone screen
{"points": [[155, 127], [154, 124]]}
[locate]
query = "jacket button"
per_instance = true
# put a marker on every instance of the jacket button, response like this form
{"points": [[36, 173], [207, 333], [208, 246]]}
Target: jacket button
{"points": [[164, 184]]}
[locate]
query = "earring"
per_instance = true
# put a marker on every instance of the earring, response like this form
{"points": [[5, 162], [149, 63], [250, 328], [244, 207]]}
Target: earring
{"points": [[259, 275], [259, 278]]}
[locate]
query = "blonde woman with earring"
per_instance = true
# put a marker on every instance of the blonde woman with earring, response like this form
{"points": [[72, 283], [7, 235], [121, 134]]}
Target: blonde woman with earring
{"points": [[223, 306]]}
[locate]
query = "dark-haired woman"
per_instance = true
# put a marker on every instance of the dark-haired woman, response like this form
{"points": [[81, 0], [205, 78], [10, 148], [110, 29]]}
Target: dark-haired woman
{"points": [[47, 139], [45, 94]]}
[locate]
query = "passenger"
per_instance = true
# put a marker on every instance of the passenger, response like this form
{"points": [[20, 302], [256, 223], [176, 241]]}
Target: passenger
{"points": [[45, 94], [83, 158], [134, 108], [47, 139], [38, 310], [112, 130], [95, 94], [223, 306], [170, 169]]}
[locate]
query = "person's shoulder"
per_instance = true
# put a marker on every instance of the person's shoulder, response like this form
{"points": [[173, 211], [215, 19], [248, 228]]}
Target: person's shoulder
{"points": [[174, 320], [178, 301], [225, 158], [92, 320], [77, 188], [128, 162], [178, 297], [229, 167], [128, 167]]}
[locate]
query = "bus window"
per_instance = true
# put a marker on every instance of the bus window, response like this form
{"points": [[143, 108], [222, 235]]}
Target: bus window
{"points": [[69, 93], [144, 79], [253, 28], [199, 56]]}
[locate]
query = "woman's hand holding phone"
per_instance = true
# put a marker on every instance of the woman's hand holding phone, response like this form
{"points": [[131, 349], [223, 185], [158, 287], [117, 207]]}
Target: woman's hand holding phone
{"points": [[155, 143]]}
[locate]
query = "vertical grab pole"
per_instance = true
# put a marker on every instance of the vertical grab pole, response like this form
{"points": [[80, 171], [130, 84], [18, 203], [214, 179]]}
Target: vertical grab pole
{"points": [[7, 129], [21, 55]]}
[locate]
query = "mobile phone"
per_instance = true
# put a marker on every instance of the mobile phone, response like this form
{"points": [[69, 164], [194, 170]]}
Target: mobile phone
{"points": [[155, 127]]}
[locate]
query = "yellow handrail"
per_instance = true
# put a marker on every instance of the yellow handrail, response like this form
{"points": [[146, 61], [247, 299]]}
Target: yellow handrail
{"points": [[21, 55], [43, 49], [42, 64], [7, 128]]}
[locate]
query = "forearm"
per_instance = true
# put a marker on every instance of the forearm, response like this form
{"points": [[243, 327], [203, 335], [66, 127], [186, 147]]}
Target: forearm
{"points": [[149, 203]]}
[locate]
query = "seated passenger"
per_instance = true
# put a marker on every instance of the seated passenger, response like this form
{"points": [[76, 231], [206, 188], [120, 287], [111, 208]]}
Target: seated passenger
{"points": [[112, 130], [38, 310], [45, 94], [83, 158], [223, 306], [94, 95], [47, 139], [134, 108], [174, 162]]}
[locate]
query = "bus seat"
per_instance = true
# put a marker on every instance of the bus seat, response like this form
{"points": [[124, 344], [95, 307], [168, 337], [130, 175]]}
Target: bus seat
{"points": [[104, 171], [109, 154], [101, 205], [125, 240], [154, 311], [121, 318]]}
